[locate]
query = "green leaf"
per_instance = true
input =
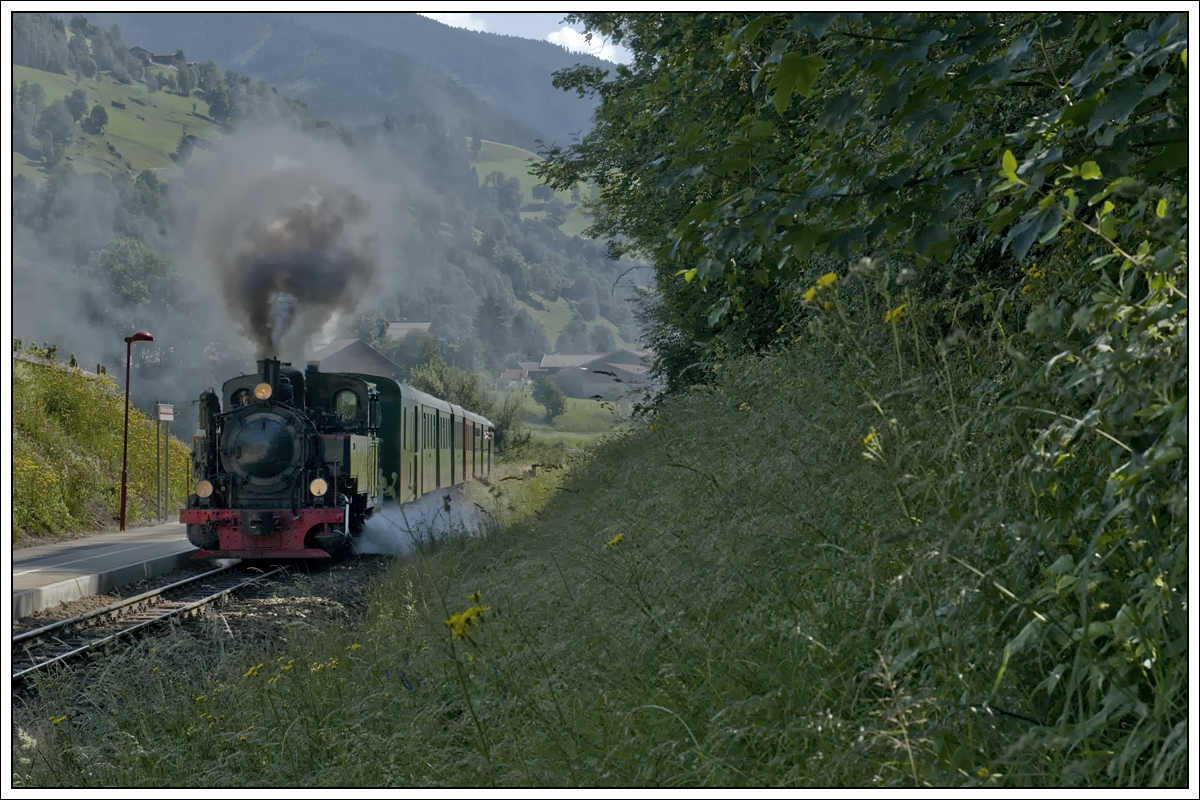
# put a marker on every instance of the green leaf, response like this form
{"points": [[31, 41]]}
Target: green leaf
{"points": [[1161, 211], [1008, 165], [1090, 171], [796, 73]]}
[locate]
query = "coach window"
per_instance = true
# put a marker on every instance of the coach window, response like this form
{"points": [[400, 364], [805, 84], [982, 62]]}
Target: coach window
{"points": [[346, 404]]}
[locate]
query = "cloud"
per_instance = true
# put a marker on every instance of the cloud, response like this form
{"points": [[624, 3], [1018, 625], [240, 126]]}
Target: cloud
{"points": [[574, 41], [468, 21]]}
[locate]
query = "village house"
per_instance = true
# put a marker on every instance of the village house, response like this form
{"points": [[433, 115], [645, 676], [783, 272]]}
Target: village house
{"points": [[353, 355], [604, 376]]}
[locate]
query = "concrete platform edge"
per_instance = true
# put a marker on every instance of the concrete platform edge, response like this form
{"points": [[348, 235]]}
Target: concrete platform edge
{"points": [[30, 601]]}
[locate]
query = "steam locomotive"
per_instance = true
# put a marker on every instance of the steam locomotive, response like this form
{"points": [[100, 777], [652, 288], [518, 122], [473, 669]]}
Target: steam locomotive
{"points": [[290, 464]]}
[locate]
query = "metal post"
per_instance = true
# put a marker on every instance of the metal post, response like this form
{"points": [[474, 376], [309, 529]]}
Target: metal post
{"points": [[167, 488], [140, 336], [125, 447], [158, 471]]}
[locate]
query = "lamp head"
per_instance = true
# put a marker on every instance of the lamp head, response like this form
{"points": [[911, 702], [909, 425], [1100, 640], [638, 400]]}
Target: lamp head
{"points": [[140, 336]]}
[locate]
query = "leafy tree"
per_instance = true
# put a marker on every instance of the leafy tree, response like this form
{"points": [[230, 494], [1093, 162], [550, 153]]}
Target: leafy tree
{"points": [[508, 195], [136, 274], [528, 335], [185, 76], [548, 393], [411, 351], [573, 338], [55, 122], [76, 103], [556, 212], [97, 120], [588, 308], [602, 339], [542, 192]]}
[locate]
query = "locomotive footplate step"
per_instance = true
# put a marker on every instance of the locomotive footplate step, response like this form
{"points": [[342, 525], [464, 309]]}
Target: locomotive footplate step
{"points": [[48, 575]]}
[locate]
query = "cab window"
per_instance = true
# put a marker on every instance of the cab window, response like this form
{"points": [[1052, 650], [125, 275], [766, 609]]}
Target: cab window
{"points": [[345, 405]]}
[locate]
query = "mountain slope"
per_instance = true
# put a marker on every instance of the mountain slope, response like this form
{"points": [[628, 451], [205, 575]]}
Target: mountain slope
{"points": [[512, 73], [348, 81]]}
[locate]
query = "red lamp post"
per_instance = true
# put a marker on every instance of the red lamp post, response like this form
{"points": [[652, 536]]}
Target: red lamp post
{"points": [[140, 336]]}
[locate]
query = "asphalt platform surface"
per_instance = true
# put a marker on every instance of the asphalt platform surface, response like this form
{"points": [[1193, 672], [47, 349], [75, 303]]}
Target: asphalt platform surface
{"points": [[51, 574]]}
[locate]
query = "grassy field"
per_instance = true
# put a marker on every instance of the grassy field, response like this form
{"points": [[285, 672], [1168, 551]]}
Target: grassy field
{"points": [[514, 163], [144, 133], [583, 423]]}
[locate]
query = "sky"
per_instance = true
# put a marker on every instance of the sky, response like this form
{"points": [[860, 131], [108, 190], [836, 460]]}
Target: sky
{"points": [[535, 25]]}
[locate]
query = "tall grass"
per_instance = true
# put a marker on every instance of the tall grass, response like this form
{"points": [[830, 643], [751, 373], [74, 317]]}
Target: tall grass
{"points": [[844, 563]]}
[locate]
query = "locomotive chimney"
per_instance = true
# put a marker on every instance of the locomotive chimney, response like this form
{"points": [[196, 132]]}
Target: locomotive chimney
{"points": [[269, 367]]}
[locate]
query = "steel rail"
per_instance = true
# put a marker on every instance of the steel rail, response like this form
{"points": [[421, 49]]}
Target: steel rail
{"points": [[17, 676], [37, 633]]}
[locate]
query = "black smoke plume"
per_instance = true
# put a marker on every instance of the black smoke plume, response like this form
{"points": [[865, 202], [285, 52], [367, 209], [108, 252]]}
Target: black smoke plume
{"points": [[289, 253]]}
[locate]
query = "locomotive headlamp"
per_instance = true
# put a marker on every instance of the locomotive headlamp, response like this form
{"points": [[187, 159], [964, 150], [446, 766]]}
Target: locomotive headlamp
{"points": [[204, 489], [318, 487], [263, 391]]}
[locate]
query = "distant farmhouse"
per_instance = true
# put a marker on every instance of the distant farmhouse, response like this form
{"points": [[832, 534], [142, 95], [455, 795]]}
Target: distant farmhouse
{"points": [[398, 330], [164, 59], [599, 375], [353, 355]]}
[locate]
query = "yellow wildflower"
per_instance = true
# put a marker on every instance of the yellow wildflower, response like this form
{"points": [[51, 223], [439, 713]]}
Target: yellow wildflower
{"points": [[811, 294], [827, 280], [459, 623], [476, 597], [58, 720], [829, 306], [253, 671], [614, 541], [870, 438], [983, 772], [896, 314], [354, 646]]}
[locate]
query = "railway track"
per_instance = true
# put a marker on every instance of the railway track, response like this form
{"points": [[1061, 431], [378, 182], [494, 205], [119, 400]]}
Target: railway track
{"points": [[67, 639]]}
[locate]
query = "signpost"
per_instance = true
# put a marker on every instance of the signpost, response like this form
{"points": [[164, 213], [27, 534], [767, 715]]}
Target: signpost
{"points": [[166, 413]]}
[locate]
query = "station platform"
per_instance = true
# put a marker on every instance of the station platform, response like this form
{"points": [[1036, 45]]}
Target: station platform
{"points": [[48, 575]]}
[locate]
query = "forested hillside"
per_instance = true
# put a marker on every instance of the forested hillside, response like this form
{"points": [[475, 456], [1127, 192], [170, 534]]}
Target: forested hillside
{"points": [[108, 210], [355, 79]]}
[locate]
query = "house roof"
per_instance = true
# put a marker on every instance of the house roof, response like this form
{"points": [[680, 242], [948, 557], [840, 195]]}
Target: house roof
{"points": [[353, 355], [631, 369], [512, 374], [568, 359], [528, 365], [398, 330]]}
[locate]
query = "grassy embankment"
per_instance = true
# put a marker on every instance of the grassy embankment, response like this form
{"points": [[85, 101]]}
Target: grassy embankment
{"points": [[730, 593], [142, 135], [67, 441]]}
